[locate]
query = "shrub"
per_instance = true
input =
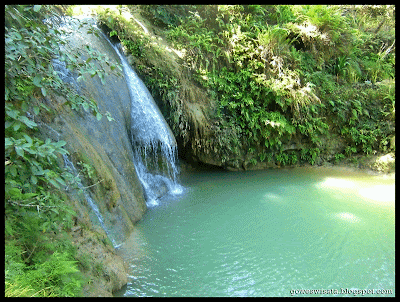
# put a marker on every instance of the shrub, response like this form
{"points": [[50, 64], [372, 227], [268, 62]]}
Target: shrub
{"points": [[35, 202], [278, 71]]}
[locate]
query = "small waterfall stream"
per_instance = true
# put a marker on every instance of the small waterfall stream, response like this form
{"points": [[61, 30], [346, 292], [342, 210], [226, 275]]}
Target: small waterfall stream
{"points": [[154, 146], [70, 166]]}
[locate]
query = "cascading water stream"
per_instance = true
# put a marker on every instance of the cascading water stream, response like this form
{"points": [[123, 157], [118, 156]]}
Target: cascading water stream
{"points": [[154, 146], [70, 166]]}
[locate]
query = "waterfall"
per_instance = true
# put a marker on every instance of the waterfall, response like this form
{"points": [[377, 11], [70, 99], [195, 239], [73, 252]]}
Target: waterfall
{"points": [[154, 146]]}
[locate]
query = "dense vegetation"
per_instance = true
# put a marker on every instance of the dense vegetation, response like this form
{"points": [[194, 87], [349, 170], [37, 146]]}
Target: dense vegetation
{"points": [[309, 75], [39, 258]]}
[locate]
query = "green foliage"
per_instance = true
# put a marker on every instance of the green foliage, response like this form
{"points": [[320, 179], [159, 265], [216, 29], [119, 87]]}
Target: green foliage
{"points": [[284, 77], [327, 18], [35, 202], [165, 15], [55, 277], [134, 47], [87, 170], [310, 155], [283, 14], [338, 157], [279, 71], [361, 118]]}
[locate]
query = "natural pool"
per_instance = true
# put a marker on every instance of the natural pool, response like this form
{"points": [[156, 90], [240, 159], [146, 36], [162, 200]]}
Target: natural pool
{"points": [[268, 233]]}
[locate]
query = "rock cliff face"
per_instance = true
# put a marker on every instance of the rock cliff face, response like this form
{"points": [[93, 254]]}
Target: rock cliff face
{"points": [[106, 147]]}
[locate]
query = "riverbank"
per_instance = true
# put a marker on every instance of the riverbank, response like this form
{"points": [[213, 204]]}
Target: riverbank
{"points": [[371, 164]]}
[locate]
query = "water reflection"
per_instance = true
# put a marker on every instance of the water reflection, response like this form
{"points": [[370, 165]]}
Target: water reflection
{"points": [[330, 182], [380, 193], [271, 196], [349, 217], [262, 234]]}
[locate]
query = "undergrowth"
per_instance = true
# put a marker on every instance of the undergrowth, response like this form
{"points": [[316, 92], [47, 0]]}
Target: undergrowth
{"points": [[38, 261], [280, 74]]}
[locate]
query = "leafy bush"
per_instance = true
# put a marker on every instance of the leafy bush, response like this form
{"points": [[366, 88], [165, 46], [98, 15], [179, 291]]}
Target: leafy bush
{"points": [[35, 202], [265, 69], [280, 71], [55, 277]]}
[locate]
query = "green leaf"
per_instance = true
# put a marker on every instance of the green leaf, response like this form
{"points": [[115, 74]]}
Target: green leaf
{"points": [[36, 81], [8, 124], [61, 181], [99, 116], [28, 122], [19, 151], [54, 210], [8, 142], [45, 107], [17, 125], [43, 91], [37, 8], [85, 106], [13, 113], [34, 179], [54, 183], [61, 143], [15, 192], [36, 110], [38, 172], [109, 117], [18, 36]]}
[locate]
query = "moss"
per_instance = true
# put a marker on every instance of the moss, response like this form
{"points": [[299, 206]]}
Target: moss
{"points": [[101, 181]]}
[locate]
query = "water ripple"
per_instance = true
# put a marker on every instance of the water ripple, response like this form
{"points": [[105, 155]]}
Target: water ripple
{"points": [[204, 246]]}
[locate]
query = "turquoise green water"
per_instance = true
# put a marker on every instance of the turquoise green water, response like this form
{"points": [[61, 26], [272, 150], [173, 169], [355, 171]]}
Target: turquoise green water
{"points": [[267, 233]]}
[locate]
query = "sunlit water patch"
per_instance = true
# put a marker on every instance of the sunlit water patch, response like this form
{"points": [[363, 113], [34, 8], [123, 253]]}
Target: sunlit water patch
{"points": [[379, 193], [267, 233], [347, 217]]}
